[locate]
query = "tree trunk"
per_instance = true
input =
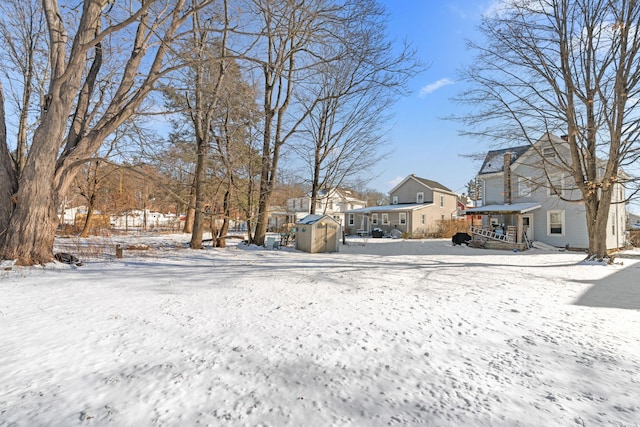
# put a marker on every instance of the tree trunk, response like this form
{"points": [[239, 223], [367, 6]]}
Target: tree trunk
{"points": [[188, 222], [199, 216], [35, 216], [262, 217], [8, 181], [34, 220], [597, 213], [266, 173], [88, 219], [221, 241]]}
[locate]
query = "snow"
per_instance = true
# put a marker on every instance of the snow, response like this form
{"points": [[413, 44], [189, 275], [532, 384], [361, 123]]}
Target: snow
{"points": [[385, 332]]}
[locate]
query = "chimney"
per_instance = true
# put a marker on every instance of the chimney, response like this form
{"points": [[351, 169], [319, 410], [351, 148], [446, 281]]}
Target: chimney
{"points": [[507, 178]]}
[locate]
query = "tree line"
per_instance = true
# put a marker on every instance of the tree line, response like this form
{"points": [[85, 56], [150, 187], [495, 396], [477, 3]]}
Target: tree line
{"points": [[241, 81]]}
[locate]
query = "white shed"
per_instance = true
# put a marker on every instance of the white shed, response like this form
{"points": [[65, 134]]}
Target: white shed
{"points": [[318, 233]]}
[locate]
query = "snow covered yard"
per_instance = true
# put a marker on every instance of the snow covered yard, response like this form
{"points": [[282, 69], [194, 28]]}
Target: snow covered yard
{"points": [[386, 332]]}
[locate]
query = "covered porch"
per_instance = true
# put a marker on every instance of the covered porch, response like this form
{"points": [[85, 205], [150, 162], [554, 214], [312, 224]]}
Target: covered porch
{"points": [[503, 226]]}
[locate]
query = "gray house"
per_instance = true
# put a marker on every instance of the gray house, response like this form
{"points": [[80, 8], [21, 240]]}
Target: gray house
{"points": [[417, 204], [528, 196]]}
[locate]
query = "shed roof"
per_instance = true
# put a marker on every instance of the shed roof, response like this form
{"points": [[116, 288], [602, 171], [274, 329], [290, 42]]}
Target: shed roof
{"points": [[313, 218]]}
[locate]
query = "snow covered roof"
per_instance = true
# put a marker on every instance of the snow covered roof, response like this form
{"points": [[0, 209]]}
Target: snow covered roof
{"points": [[313, 218], [503, 209], [494, 161]]}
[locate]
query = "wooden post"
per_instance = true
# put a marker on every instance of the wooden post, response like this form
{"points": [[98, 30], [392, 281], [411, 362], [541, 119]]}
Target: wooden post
{"points": [[119, 251]]}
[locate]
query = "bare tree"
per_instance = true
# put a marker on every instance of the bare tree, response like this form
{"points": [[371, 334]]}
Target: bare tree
{"points": [[22, 36], [568, 67], [232, 150], [284, 41], [343, 134], [294, 42], [208, 70], [8, 177], [84, 104]]}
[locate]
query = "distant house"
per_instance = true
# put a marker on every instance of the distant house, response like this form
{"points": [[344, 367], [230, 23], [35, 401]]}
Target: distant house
{"points": [[633, 221], [144, 218], [527, 197], [278, 218], [417, 204], [333, 202]]}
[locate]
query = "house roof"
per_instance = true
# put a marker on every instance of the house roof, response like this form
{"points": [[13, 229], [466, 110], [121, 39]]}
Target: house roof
{"points": [[388, 208], [494, 160], [503, 209], [434, 185], [344, 193]]}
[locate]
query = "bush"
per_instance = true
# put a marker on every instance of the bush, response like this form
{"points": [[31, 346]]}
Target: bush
{"points": [[442, 229], [634, 238]]}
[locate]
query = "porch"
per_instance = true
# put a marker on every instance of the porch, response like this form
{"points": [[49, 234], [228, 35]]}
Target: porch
{"points": [[503, 226]]}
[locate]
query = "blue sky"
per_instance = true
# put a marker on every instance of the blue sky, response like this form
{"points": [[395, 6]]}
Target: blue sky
{"points": [[424, 143]]}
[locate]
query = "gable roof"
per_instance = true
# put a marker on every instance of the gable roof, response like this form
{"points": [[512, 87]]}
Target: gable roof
{"points": [[433, 185], [494, 161], [340, 192]]}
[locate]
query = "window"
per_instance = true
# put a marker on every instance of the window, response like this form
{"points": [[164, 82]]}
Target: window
{"points": [[441, 201], [351, 219], [394, 200], [555, 223], [524, 187], [374, 219], [403, 218], [420, 197], [613, 225], [548, 152], [556, 182], [385, 219]]}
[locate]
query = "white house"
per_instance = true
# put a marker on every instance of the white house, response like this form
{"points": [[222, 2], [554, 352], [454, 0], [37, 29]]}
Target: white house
{"points": [[333, 202], [526, 198]]}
